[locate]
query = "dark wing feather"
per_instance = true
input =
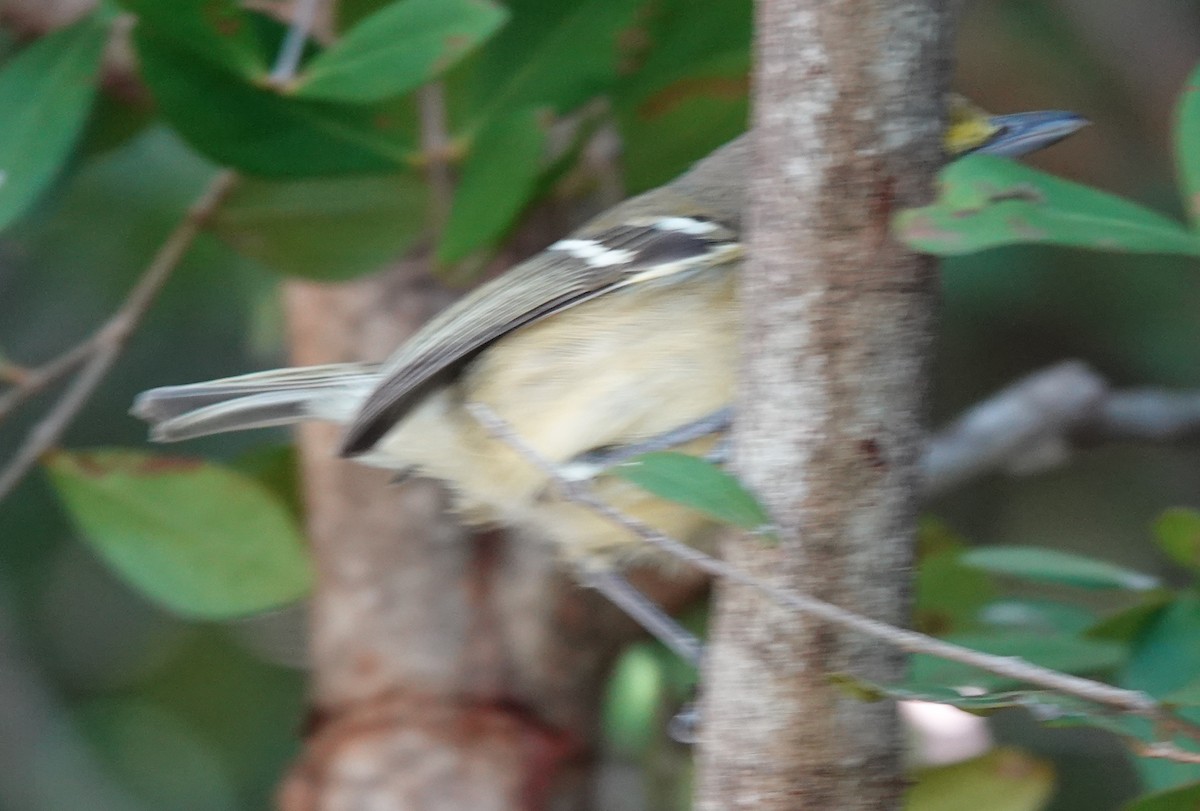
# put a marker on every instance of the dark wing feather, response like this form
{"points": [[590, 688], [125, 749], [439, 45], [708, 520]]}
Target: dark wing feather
{"points": [[558, 278]]}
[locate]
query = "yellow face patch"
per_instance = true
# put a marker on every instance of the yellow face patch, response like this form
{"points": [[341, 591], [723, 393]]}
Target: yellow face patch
{"points": [[967, 127]]}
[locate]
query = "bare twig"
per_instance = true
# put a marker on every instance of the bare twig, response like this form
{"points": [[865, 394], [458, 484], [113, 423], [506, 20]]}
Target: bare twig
{"points": [[287, 61], [1163, 751], [909, 641], [1038, 421], [32, 381], [435, 150], [104, 347]]}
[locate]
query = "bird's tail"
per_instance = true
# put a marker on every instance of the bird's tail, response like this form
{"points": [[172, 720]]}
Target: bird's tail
{"points": [[260, 400]]}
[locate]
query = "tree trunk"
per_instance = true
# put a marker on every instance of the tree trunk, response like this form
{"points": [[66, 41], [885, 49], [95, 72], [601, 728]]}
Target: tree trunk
{"points": [[847, 107]]}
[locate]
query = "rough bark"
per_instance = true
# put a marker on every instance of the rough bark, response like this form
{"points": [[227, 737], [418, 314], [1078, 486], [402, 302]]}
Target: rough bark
{"points": [[450, 671], [830, 409]]}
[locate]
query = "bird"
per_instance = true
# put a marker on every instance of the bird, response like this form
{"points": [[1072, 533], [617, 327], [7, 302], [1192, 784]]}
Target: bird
{"points": [[620, 337]]}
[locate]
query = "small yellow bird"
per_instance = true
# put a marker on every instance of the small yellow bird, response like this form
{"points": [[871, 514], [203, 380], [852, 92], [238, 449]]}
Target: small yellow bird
{"points": [[622, 335]]}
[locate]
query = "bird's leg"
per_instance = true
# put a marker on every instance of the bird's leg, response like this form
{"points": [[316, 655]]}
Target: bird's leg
{"points": [[645, 613], [588, 465]]}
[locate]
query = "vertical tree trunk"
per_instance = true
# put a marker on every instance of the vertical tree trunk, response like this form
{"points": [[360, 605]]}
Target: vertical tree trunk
{"points": [[847, 107]]}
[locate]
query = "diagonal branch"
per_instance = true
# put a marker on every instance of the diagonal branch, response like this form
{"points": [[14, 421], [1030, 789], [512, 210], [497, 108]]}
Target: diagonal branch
{"points": [[96, 355]]}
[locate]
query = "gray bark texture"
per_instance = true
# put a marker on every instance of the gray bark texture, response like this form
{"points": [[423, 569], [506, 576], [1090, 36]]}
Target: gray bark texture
{"points": [[847, 104]]}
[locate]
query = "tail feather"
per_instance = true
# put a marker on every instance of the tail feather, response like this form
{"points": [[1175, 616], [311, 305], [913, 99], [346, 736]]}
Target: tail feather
{"points": [[279, 397]]}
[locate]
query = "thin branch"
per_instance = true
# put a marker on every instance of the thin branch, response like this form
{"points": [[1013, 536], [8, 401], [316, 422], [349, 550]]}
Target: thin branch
{"points": [[104, 347], [435, 150], [31, 382], [1040, 420], [1163, 751], [902, 638], [287, 61]]}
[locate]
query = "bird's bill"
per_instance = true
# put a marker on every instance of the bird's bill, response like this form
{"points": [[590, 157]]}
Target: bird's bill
{"points": [[1019, 134]]}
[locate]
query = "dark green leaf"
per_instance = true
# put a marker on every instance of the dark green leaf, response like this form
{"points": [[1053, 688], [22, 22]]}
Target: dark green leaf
{"points": [[696, 483], [1178, 534], [1056, 651], [1004, 779], [986, 201], [1125, 625], [1054, 566], [552, 54], [217, 31], [46, 92], [258, 131], [1187, 146], [1179, 798], [324, 228], [277, 467], [498, 181], [202, 540], [400, 47], [948, 594], [1166, 658]]}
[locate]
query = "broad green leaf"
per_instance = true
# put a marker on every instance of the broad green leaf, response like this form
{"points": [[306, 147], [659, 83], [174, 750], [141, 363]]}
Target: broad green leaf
{"points": [[253, 129], [324, 228], [1056, 651], [46, 92], [398, 48], [1004, 779], [1037, 615], [217, 31], [696, 483], [1187, 146], [552, 53], [1165, 658], [985, 201], [498, 181], [200, 539], [948, 595], [1054, 566], [1178, 534], [1125, 625], [1179, 798], [690, 94]]}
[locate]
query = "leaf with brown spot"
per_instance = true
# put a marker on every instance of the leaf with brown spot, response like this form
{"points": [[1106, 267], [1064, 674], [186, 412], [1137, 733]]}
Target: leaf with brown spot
{"points": [[202, 540], [986, 202]]}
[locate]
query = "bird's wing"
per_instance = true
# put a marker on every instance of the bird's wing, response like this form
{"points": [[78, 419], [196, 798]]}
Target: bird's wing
{"points": [[569, 272]]}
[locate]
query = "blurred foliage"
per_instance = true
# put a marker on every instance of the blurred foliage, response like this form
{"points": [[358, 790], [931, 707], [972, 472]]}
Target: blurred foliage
{"points": [[141, 709]]}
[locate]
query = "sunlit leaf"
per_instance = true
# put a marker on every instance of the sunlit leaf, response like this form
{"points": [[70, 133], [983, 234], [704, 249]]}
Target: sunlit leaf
{"points": [[1178, 534], [697, 483], [1055, 566], [202, 540], [985, 201], [46, 92], [498, 181], [1002, 780], [398, 48]]}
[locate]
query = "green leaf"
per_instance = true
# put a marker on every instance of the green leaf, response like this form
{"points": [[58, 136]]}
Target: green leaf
{"points": [[217, 31], [696, 483], [1069, 654], [498, 181], [1125, 625], [1186, 696], [1165, 658], [1178, 534], [258, 131], [1054, 566], [202, 540], [635, 695], [948, 595], [324, 228], [552, 53], [400, 47], [1187, 146], [985, 201], [1179, 798], [46, 92], [1004, 779]]}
